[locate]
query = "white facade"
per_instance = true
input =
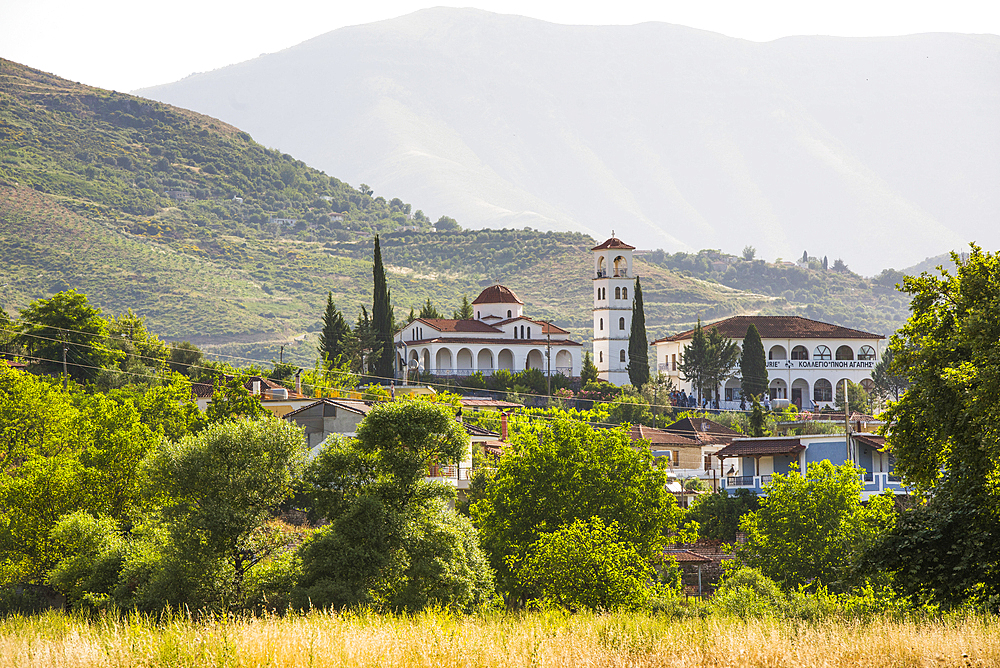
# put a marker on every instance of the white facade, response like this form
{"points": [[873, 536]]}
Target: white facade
{"points": [[803, 367], [613, 280], [499, 337]]}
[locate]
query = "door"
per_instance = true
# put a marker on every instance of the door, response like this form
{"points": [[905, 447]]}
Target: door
{"points": [[797, 396]]}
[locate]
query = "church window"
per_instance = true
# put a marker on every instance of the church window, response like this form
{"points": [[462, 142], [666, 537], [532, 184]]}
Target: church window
{"points": [[600, 356], [602, 324], [624, 293], [621, 323], [822, 390], [515, 331], [800, 353], [522, 331], [529, 332], [508, 313], [866, 353], [598, 294], [822, 353], [618, 293], [477, 315], [621, 356]]}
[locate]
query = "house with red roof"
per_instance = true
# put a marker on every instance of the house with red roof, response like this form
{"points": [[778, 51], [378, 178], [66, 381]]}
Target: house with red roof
{"points": [[806, 359], [499, 336]]}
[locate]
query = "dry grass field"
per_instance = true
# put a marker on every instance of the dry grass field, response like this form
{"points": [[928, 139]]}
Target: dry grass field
{"points": [[537, 639]]}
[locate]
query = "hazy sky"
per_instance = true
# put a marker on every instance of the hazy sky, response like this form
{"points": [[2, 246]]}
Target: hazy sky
{"points": [[129, 44]]}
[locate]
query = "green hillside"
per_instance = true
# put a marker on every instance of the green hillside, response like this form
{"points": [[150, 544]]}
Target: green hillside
{"points": [[216, 239]]}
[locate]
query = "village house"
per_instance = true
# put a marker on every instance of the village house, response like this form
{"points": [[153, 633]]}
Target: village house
{"points": [[499, 336], [688, 447]]}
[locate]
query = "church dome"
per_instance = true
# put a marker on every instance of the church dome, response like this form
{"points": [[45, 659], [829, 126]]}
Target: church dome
{"points": [[497, 294]]}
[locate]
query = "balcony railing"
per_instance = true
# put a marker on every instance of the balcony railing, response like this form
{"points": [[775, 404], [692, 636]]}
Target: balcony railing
{"points": [[740, 481], [463, 372]]}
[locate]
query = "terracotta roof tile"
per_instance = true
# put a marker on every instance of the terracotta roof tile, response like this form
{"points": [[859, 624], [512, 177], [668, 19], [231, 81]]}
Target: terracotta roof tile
{"points": [[499, 342], [450, 325], [748, 447], [687, 556], [660, 437], [777, 327], [613, 242], [472, 402], [497, 294], [871, 440]]}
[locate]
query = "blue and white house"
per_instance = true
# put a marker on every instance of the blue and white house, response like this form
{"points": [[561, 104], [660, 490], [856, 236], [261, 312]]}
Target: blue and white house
{"points": [[755, 460]]}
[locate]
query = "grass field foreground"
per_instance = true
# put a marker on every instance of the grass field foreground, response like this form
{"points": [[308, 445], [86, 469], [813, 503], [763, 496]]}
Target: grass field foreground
{"points": [[56, 640]]}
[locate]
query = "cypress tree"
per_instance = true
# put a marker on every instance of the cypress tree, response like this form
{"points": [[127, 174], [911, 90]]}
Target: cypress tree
{"points": [[335, 331], [383, 353], [638, 346], [589, 372], [753, 364]]}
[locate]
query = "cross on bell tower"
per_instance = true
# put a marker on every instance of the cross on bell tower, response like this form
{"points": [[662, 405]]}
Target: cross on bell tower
{"points": [[613, 278]]}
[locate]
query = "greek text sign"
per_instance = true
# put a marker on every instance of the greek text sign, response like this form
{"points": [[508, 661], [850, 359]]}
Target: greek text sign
{"points": [[821, 364]]}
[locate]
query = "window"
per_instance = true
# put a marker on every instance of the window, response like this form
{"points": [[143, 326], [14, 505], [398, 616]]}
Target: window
{"points": [[477, 315], [822, 390], [677, 457], [515, 331], [708, 462], [529, 332], [621, 356], [624, 293], [868, 384], [508, 313], [866, 353], [621, 324], [600, 356], [822, 353], [522, 331], [673, 362], [800, 353], [776, 353], [602, 324], [845, 353], [598, 297], [618, 293]]}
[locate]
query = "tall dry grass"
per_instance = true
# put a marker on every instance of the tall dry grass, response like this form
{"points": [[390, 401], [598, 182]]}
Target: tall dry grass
{"points": [[539, 639]]}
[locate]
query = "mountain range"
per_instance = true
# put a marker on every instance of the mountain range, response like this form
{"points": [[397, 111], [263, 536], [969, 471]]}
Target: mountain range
{"points": [[881, 151]]}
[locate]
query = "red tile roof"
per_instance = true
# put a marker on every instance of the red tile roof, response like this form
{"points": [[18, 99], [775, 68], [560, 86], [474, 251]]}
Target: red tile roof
{"points": [[494, 342], [702, 427], [497, 294], [871, 440], [613, 242], [547, 327], [687, 556], [749, 447], [450, 325], [471, 402], [351, 405], [777, 327], [661, 437]]}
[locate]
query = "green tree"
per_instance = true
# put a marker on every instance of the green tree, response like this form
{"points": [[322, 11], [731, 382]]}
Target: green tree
{"points": [[588, 565], [749, 252], [222, 484], [857, 398], [429, 311], [391, 541], [888, 381], [66, 319], [718, 515], [757, 418], [183, 356], [638, 345], [335, 333], [564, 471], [944, 432], [753, 364], [464, 311], [231, 399], [588, 374], [447, 224], [695, 360], [708, 360], [813, 527], [383, 354]]}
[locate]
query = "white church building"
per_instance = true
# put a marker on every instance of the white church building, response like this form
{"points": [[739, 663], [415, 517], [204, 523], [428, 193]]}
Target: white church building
{"points": [[499, 336]]}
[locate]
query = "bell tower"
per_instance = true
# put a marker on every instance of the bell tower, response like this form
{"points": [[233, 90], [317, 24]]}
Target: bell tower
{"points": [[613, 280]]}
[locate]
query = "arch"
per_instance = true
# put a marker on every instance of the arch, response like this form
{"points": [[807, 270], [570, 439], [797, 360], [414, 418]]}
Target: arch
{"points": [[777, 353], [845, 353], [621, 355], [463, 360], [866, 353], [800, 393], [414, 355], [515, 331], [484, 360], [564, 362], [598, 296], [508, 313], [778, 389], [621, 267], [400, 362], [800, 353], [618, 293], [621, 323], [624, 293], [443, 362], [427, 360], [733, 391], [868, 384], [529, 332], [822, 353], [602, 324], [602, 269], [822, 390], [535, 360], [505, 359]]}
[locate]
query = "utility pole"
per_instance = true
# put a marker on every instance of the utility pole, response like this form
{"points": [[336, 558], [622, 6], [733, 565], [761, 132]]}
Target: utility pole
{"points": [[548, 356]]}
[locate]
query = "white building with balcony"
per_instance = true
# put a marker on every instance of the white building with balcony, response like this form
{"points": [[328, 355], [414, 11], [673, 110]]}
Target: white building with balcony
{"points": [[806, 359], [499, 336], [613, 278]]}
